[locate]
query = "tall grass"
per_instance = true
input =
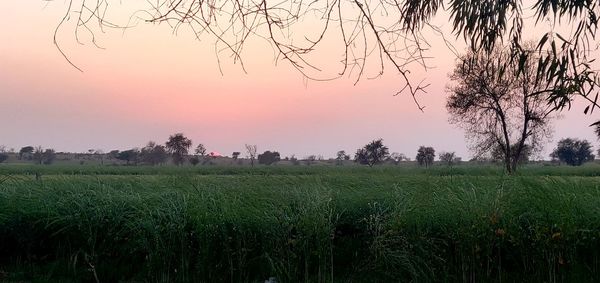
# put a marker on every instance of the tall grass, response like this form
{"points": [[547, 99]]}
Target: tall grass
{"points": [[319, 225]]}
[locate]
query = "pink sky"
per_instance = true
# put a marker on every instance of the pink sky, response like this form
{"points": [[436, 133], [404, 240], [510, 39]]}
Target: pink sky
{"points": [[149, 83]]}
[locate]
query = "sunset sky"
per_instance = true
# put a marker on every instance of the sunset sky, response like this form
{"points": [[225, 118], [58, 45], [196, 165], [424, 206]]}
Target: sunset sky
{"points": [[149, 83]]}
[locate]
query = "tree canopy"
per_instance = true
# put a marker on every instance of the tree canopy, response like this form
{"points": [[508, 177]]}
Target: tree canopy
{"points": [[574, 152], [390, 33], [372, 153], [178, 145], [500, 106], [425, 155]]}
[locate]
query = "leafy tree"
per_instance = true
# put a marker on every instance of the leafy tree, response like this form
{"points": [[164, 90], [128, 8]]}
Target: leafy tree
{"points": [[235, 155], [372, 153], [500, 104], [131, 155], [38, 154], [396, 158], [178, 145], [449, 158], [113, 154], [154, 154], [574, 152], [3, 157], [26, 151], [48, 156], [42, 156], [425, 156], [341, 156], [251, 151], [268, 157], [200, 150]]}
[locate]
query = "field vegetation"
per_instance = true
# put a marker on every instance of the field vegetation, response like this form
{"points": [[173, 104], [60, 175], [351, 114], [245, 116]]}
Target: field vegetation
{"points": [[299, 223]]}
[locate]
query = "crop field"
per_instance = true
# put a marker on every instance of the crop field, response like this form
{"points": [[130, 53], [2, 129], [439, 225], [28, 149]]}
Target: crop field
{"points": [[299, 224]]}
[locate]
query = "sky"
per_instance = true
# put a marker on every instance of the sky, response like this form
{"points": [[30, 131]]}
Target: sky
{"points": [[148, 83]]}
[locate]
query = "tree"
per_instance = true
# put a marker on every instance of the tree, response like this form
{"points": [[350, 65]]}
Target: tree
{"points": [[100, 154], [131, 155], [425, 155], [200, 150], [26, 151], [235, 155], [38, 154], [48, 156], [3, 157], [178, 146], [341, 156], [574, 152], [448, 158], [396, 158], [497, 154], [154, 154], [372, 153], [268, 157], [42, 156], [113, 154], [389, 32], [251, 151], [500, 105]]}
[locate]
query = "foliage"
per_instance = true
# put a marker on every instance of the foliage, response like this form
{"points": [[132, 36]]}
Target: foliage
{"points": [[497, 154], [391, 34], [153, 154], [425, 155], [200, 150], [372, 153], [235, 155], [131, 155], [299, 224], [26, 151], [499, 103], [3, 157], [48, 156], [42, 156], [396, 158], [268, 157], [251, 150], [341, 156], [178, 145], [573, 152], [449, 158]]}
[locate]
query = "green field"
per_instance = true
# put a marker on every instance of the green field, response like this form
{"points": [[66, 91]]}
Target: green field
{"points": [[299, 224]]}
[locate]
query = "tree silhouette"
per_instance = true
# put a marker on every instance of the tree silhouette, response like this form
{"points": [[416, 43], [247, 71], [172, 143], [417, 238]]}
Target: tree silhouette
{"points": [[154, 154], [372, 153], [178, 145], [341, 156], [425, 156], [131, 155], [574, 152], [251, 151], [3, 157], [388, 32], [268, 157], [500, 105], [25, 151]]}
